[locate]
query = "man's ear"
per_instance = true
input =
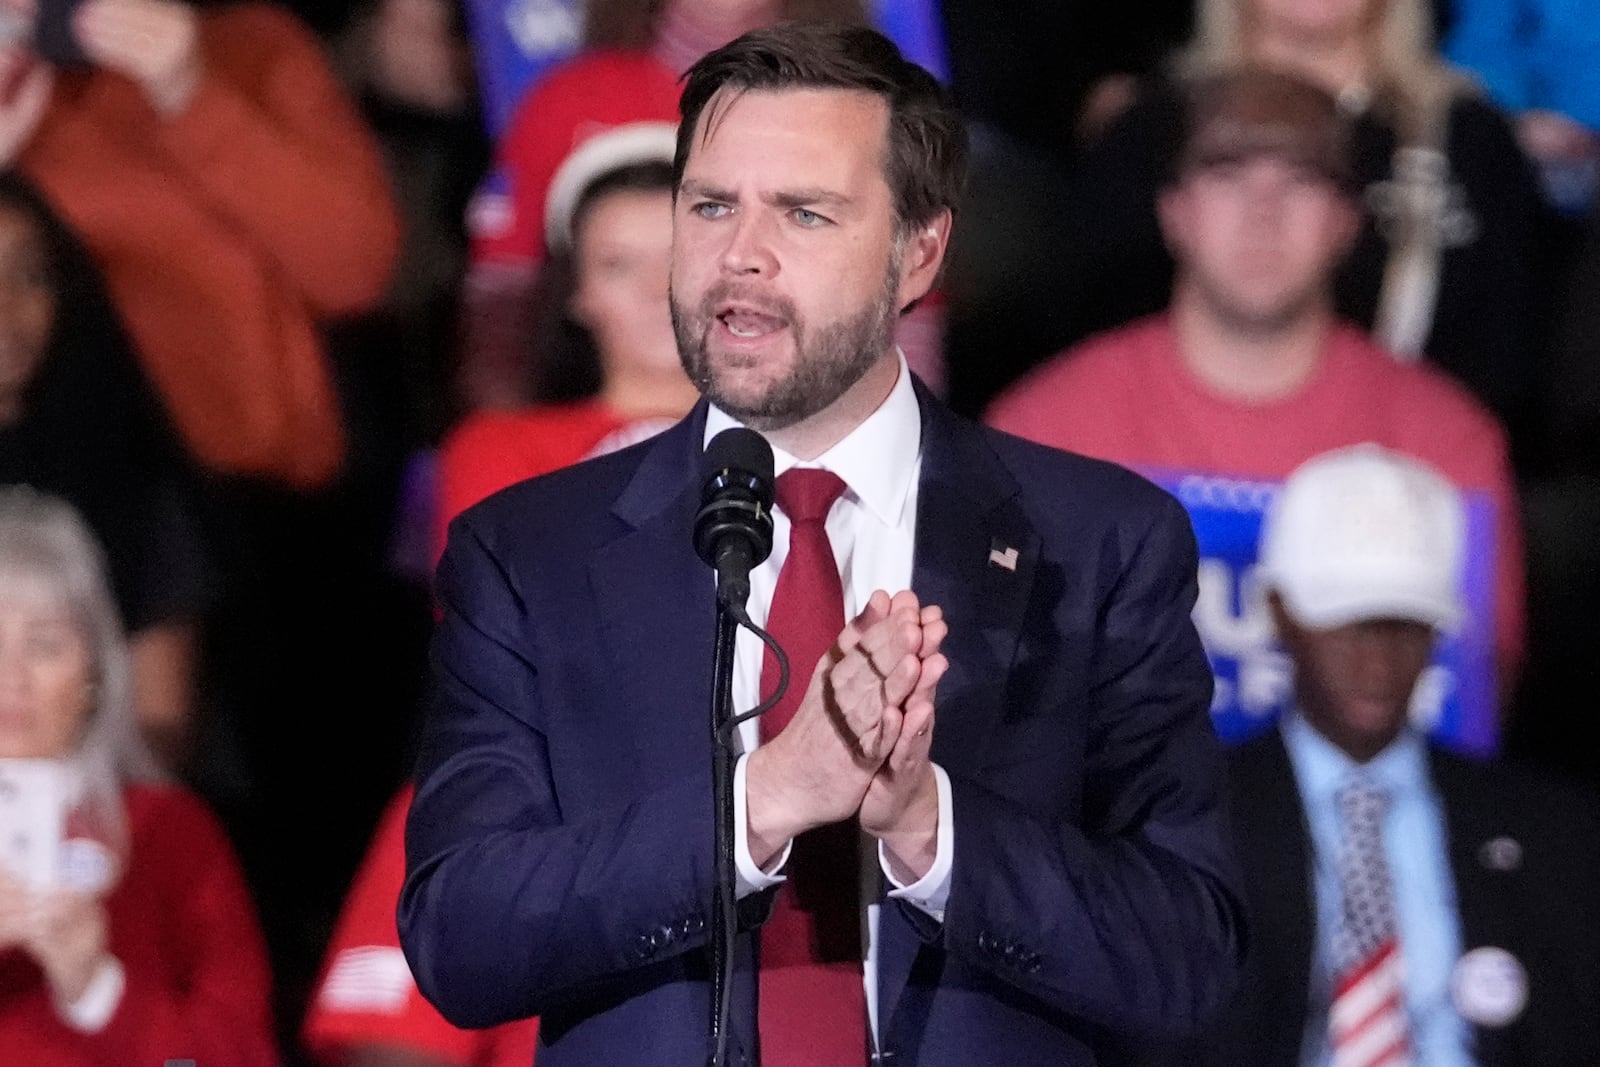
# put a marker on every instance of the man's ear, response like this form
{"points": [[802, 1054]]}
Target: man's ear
{"points": [[923, 256]]}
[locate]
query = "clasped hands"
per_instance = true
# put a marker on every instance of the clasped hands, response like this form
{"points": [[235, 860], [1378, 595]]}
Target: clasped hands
{"points": [[859, 742]]}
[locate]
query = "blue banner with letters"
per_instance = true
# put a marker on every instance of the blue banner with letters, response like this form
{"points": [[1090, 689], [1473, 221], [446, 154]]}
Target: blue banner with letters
{"points": [[1456, 700], [515, 41]]}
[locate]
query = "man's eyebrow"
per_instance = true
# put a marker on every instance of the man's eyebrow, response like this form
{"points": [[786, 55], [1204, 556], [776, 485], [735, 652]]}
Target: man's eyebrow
{"points": [[789, 198], [691, 187], [784, 198]]}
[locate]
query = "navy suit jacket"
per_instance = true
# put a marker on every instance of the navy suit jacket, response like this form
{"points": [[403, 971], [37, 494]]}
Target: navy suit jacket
{"points": [[559, 849]]}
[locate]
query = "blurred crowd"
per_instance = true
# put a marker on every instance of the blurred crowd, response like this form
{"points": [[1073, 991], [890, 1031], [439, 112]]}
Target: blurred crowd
{"points": [[275, 306]]}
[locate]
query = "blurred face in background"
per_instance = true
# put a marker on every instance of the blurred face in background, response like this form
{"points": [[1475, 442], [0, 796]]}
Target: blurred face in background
{"points": [[46, 672], [1257, 240], [27, 307], [1323, 21], [622, 259], [1354, 682], [419, 57]]}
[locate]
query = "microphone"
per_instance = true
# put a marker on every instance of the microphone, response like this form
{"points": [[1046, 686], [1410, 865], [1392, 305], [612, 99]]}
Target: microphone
{"points": [[733, 528]]}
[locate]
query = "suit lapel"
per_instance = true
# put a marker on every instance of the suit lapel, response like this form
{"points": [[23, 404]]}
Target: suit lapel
{"points": [[967, 509], [975, 556], [657, 604], [656, 601], [1275, 851]]}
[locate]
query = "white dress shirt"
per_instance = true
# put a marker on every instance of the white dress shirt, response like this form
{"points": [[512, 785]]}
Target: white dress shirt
{"points": [[872, 529]]}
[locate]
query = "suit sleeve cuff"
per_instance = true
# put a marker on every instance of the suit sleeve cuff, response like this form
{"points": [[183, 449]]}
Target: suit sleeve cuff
{"points": [[931, 892], [90, 1013], [751, 879]]}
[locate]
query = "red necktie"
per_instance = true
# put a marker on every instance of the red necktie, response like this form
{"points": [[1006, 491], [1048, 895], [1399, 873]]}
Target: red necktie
{"points": [[813, 1007]]}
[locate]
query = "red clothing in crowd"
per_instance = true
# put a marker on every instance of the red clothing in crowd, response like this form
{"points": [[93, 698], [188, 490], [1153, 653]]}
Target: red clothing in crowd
{"points": [[367, 995], [493, 449], [1128, 397], [183, 926], [586, 95], [227, 232]]}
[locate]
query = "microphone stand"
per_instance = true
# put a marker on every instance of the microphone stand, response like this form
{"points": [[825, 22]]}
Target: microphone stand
{"points": [[724, 725], [724, 916], [732, 533]]}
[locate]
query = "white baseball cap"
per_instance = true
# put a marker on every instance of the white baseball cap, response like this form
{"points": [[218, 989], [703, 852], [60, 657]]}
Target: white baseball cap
{"points": [[611, 149], [1365, 533]]}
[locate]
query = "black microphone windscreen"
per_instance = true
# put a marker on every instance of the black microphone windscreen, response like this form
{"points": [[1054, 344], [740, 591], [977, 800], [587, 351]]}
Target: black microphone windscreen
{"points": [[739, 449], [735, 503]]}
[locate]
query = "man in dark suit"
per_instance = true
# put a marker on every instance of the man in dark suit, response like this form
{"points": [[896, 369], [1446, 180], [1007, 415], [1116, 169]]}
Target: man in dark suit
{"points": [[1491, 876], [1045, 869]]}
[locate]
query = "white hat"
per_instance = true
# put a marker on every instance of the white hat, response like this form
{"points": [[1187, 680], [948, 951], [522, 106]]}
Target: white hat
{"points": [[617, 147], [1365, 533]]}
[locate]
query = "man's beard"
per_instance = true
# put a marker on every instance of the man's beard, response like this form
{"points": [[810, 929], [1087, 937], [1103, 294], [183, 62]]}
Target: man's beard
{"points": [[825, 365], [1259, 323]]}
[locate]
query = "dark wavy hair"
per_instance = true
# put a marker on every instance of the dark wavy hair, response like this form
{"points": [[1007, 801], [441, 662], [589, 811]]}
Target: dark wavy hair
{"points": [[927, 159]]}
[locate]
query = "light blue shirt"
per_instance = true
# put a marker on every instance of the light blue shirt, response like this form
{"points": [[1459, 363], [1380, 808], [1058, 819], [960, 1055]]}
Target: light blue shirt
{"points": [[1415, 843]]}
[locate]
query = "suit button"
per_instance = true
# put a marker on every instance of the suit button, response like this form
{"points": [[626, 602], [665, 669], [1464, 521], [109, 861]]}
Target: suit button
{"points": [[1033, 963], [985, 942], [697, 925], [644, 946]]}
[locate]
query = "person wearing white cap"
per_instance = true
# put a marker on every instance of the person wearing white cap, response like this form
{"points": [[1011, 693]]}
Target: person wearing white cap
{"points": [[1409, 906]]}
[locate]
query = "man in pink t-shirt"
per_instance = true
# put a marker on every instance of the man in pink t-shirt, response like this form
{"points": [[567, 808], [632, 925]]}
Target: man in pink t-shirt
{"points": [[1249, 373]]}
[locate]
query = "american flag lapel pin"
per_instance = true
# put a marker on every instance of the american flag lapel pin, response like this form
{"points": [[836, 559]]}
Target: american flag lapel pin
{"points": [[1003, 555]]}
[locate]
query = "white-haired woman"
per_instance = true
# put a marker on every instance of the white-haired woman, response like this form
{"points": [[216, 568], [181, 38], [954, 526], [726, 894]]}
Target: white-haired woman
{"points": [[127, 935], [1448, 264]]}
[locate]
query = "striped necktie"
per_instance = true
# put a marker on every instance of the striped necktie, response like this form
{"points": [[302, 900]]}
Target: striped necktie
{"points": [[1367, 1020]]}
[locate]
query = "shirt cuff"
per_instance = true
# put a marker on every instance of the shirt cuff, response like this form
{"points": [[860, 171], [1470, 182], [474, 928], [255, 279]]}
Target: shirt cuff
{"points": [[750, 878], [90, 1013], [931, 892]]}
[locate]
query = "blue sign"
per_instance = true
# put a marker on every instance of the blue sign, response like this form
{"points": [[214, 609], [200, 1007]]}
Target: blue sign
{"points": [[1455, 701], [516, 41]]}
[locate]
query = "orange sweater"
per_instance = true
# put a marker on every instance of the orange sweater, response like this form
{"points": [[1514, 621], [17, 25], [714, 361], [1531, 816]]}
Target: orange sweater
{"points": [[227, 232]]}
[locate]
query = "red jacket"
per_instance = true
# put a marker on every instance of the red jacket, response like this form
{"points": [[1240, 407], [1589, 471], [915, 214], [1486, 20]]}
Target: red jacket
{"points": [[228, 232], [182, 924]]}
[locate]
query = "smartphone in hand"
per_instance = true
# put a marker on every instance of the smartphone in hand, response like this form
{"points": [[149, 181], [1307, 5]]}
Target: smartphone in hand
{"points": [[33, 806]]}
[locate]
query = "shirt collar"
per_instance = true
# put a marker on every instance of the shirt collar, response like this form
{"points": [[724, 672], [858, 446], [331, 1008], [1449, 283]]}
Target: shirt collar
{"points": [[877, 460], [1322, 767]]}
